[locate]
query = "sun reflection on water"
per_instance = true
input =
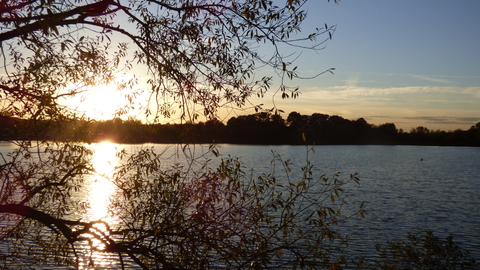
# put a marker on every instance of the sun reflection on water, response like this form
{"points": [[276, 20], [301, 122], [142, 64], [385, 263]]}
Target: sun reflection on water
{"points": [[97, 199], [101, 187]]}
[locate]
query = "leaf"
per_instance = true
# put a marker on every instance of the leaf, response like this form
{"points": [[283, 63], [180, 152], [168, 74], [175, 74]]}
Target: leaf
{"points": [[303, 137], [302, 184]]}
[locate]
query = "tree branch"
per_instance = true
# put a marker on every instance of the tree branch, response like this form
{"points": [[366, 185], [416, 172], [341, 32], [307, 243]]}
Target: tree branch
{"points": [[45, 21], [53, 223]]}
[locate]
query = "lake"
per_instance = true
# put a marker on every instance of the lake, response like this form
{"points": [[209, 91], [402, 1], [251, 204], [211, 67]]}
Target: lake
{"points": [[404, 189]]}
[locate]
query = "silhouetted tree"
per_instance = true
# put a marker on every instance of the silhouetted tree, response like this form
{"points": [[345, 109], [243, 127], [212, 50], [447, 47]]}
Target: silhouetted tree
{"points": [[297, 125], [387, 133], [192, 58]]}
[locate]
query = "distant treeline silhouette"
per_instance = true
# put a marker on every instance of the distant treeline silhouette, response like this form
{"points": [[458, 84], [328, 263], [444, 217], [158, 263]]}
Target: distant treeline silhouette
{"points": [[259, 128]]}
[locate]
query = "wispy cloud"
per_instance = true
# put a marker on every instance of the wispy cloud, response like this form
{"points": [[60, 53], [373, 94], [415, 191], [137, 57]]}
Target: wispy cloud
{"points": [[374, 77], [362, 92], [439, 119], [430, 79]]}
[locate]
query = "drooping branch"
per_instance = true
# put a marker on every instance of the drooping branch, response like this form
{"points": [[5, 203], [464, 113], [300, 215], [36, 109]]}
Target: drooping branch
{"points": [[57, 225], [74, 231]]}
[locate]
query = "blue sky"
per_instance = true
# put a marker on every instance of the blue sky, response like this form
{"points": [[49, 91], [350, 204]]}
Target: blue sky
{"points": [[412, 63]]}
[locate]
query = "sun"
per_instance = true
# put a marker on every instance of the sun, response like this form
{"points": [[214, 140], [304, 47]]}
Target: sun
{"points": [[103, 102]]}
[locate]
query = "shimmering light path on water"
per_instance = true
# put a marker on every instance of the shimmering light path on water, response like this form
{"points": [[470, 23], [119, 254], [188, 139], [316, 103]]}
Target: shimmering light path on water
{"points": [[96, 200]]}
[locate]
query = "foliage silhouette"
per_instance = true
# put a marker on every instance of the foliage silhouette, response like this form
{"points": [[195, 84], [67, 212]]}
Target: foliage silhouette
{"points": [[422, 251], [198, 57]]}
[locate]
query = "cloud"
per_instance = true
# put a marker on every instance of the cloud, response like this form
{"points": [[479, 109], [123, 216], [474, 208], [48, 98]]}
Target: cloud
{"points": [[430, 79], [440, 119], [359, 92]]}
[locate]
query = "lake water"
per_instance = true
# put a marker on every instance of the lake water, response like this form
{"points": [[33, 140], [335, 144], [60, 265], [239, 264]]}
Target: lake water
{"points": [[404, 188]]}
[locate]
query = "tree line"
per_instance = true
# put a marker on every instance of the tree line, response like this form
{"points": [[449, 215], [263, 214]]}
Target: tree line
{"points": [[259, 128]]}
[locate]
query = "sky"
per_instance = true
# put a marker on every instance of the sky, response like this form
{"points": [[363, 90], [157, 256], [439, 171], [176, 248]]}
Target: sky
{"points": [[411, 63]]}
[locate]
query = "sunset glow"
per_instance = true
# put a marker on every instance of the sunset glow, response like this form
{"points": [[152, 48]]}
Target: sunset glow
{"points": [[122, 98], [101, 102]]}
